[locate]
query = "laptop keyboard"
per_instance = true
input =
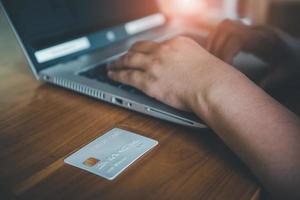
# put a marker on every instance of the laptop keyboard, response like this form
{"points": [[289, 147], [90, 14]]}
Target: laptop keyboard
{"points": [[99, 73]]}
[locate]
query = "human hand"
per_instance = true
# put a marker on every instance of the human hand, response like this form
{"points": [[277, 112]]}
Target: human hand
{"points": [[232, 37], [175, 72]]}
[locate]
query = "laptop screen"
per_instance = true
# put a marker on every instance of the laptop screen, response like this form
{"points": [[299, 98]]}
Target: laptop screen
{"points": [[44, 24]]}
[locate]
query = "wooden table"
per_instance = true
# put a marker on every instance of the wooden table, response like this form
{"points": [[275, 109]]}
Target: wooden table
{"points": [[40, 125]]}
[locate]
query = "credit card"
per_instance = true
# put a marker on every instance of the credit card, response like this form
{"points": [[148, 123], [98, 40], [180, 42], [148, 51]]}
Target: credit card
{"points": [[110, 154]]}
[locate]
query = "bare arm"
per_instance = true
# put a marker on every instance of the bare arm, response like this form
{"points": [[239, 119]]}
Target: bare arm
{"points": [[264, 134]]}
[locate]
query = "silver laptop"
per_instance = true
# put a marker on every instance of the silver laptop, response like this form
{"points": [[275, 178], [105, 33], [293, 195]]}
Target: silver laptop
{"points": [[69, 43]]}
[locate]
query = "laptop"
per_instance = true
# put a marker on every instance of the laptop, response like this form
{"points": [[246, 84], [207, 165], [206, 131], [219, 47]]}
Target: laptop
{"points": [[68, 43]]}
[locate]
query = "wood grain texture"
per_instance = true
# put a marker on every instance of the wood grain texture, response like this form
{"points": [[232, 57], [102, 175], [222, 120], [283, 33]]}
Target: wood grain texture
{"points": [[41, 124]]}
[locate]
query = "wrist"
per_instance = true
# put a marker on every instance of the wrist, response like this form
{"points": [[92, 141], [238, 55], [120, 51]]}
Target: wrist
{"points": [[211, 93]]}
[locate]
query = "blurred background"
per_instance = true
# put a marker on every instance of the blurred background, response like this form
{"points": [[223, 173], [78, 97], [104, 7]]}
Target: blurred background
{"points": [[284, 14]]}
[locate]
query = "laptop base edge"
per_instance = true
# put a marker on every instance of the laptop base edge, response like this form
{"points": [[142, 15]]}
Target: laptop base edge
{"points": [[121, 102]]}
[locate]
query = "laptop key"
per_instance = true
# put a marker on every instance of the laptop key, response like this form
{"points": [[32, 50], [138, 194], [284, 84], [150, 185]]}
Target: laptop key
{"points": [[99, 73]]}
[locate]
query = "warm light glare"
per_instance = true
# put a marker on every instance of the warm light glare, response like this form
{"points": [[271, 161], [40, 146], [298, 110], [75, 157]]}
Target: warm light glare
{"points": [[177, 8], [187, 6]]}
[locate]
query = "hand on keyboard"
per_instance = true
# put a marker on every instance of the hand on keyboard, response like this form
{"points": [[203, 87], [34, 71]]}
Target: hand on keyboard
{"points": [[99, 73]]}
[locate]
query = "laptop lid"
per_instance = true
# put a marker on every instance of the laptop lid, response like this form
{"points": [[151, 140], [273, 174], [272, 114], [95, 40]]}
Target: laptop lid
{"points": [[53, 31]]}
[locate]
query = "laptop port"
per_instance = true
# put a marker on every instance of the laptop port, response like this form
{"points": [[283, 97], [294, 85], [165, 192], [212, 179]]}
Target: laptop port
{"points": [[117, 101]]}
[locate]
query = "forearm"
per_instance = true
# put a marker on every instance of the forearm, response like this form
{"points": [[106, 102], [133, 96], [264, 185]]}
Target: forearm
{"points": [[182, 74], [264, 134]]}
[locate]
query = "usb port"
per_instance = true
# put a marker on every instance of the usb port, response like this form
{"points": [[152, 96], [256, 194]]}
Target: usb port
{"points": [[118, 101]]}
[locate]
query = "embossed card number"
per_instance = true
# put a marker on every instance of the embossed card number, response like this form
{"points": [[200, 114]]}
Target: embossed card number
{"points": [[110, 154]]}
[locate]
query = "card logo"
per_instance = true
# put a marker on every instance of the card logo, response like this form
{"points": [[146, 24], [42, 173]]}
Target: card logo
{"points": [[91, 162]]}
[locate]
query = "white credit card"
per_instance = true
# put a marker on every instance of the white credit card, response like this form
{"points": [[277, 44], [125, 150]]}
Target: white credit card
{"points": [[112, 153]]}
